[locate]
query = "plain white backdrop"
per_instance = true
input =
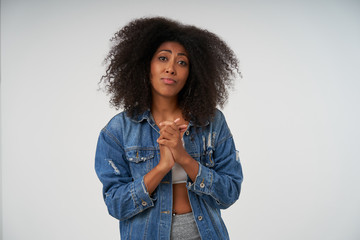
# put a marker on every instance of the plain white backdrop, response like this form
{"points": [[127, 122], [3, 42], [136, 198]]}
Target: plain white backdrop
{"points": [[294, 114]]}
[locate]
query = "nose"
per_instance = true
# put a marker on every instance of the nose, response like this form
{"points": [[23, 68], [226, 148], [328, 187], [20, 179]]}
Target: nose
{"points": [[170, 68], [170, 71]]}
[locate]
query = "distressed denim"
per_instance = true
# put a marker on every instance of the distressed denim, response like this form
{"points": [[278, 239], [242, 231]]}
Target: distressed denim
{"points": [[127, 150]]}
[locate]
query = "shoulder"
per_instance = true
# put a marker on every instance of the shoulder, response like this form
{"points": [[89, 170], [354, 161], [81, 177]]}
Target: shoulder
{"points": [[112, 128], [219, 127], [219, 114], [218, 119], [122, 122], [117, 121], [118, 126]]}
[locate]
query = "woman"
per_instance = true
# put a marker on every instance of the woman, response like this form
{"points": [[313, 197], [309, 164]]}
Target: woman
{"points": [[168, 163]]}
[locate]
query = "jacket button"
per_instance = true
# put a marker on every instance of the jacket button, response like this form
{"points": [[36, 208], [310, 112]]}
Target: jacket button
{"points": [[144, 203], [202, 185], [200, 218], [187, 133]]}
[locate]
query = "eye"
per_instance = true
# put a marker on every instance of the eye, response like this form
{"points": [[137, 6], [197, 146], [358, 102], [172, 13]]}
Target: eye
{"points": [[162, 58], [183, 63]]}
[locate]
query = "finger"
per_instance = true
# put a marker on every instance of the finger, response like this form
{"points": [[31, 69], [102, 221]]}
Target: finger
{"points": [[182, 127], [170, 127], [165, 123], [164, 142], [178, 124], [168, 123], [169, 130], [167, 135]]}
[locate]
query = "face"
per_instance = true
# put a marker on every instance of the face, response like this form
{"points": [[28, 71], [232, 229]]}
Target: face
{"points": [[169, 69]]}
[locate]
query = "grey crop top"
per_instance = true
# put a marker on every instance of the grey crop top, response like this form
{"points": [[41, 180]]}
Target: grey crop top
{"points": [[178, 173]]}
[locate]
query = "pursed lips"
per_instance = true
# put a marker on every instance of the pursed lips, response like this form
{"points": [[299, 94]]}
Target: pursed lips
{"points": [[168, 80]]}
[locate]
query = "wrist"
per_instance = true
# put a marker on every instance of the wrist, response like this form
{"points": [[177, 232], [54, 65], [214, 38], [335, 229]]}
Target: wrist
{"points": [[162, 169], [185, 159]]}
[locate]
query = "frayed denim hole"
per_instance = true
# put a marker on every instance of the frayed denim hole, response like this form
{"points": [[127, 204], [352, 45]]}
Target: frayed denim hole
{"points": [[237, 156], [112, 164]]}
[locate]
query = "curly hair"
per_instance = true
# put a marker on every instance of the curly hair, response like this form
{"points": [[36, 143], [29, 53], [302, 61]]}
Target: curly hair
{"points": [[212, 67]]}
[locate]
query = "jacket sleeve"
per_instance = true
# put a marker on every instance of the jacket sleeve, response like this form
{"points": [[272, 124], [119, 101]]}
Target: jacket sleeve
{"points": [[220, 185], [123, 195]]}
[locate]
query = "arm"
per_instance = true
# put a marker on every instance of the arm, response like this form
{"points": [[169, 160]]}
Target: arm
{"points": [[123, 195], [220, 184], [154, 177]]}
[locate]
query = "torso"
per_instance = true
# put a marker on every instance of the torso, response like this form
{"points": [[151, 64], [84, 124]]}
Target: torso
{"points": [[181, 203]]}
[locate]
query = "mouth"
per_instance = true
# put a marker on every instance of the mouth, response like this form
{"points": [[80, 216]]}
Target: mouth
{"points": [[168, 81]]}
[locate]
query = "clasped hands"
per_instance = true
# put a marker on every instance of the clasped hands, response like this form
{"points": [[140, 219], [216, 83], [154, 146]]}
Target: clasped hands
{"points": [[171, 146]]}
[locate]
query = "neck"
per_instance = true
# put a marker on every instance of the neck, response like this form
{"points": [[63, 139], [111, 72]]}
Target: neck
{"points": [[165, 109]]}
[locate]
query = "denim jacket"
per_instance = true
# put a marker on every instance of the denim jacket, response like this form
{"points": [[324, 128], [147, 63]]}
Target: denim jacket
{"points": [[127, 150]]}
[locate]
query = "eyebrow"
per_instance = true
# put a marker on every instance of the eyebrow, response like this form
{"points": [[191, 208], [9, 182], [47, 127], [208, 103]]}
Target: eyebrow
{"points": [[179, 54]]}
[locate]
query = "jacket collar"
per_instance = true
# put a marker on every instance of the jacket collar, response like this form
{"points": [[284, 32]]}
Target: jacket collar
{"points": [[146, 115], [141, 117]]}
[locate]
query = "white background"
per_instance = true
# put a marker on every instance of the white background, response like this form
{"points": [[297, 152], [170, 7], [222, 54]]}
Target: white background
{"points": [[294, 115]]}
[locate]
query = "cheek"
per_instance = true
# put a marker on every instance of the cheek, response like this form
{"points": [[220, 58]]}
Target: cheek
{"points": [[186, 74], [155, 68], [152, 69]]}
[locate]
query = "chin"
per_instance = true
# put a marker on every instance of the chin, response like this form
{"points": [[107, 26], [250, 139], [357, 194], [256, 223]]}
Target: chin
{"points": [[167, 94]]}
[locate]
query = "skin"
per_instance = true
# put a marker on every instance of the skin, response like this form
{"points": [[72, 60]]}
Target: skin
{"points": [[169, 70]]}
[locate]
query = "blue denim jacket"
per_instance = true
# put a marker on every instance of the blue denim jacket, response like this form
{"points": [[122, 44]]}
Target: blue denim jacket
{"points": [[127, 150]]}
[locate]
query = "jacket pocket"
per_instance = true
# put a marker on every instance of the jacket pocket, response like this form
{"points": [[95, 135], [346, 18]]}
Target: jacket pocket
{"points": [[141, 161]]}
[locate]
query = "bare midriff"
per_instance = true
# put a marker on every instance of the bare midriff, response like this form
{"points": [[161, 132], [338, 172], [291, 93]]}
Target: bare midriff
{"points": [[181, 203]]}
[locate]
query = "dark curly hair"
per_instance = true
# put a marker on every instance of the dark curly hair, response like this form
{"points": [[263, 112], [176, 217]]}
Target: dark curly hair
{"points": [[212, 67]]}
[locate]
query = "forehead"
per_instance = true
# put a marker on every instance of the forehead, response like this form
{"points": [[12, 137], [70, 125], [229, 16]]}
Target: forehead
{"points": [[174, 47]]}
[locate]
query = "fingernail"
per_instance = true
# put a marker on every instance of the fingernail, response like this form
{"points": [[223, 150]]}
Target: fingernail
{"points": [[176, 120]]}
